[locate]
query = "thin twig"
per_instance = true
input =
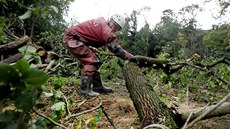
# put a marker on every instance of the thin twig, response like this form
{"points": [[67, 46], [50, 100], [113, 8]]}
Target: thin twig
{"points": [[71, 64], [156, 125], [81, 103], [58, 124], [86, 111], [188, 119], [107, 116], [67, 105]]}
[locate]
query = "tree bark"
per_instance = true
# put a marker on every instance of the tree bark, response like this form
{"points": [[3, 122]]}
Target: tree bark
{"points": [[149, 107]]}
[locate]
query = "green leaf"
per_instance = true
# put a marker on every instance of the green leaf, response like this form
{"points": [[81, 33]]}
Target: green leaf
{"points": [[9, 116], [35, 77], [58, 106], [54, 8], [12, 126], [57, 93], [25, 102], [28, 51], [22, 66], [8, 74], [48, 94], [37, 59], [36, 10], [26, 15]]}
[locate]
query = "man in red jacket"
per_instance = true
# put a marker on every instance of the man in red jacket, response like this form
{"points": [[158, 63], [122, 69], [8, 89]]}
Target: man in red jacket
{"points": [[81, 41]]}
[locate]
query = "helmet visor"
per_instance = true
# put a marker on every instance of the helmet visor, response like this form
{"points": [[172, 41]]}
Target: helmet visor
{"points": [[118, 27]]}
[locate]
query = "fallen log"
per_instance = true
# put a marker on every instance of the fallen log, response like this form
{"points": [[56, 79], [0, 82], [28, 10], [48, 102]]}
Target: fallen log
{"points": [[15, 44], [12, 59]]}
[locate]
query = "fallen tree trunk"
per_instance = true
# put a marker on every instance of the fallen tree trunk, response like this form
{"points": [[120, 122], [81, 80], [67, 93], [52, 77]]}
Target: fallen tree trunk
{"points": [[149, 107], [151, 110]]}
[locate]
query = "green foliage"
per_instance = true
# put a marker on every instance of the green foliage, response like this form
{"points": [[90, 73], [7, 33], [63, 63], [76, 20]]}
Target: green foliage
{"points": [[217, 40], [34, 18], [2, 26], [202, 86], [110, 69], [28, 52], [20, 87], [96, 119]]}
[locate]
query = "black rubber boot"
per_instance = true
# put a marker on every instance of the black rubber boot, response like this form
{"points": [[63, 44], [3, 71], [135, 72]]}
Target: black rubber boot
{"points": [[98, 87], [85, 88]]}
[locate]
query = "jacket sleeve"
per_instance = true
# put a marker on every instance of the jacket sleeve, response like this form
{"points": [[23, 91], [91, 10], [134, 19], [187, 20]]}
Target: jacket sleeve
{"points": [[119, 51]]}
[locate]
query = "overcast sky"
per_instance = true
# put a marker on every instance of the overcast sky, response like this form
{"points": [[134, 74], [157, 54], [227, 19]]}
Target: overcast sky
{"points": [[82, 10]]}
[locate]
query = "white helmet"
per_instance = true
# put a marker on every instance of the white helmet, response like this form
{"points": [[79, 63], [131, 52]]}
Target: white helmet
{"points": [[119, 20]]}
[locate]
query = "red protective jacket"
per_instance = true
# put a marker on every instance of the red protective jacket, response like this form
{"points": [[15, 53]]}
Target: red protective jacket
{"points": [[96, 33]]}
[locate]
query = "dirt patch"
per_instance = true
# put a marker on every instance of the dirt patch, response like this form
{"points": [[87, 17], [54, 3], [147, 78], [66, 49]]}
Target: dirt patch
{"points": [[118, 105]]}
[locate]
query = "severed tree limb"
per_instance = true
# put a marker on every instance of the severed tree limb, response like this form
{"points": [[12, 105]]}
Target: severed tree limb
{"points": [[86, 111], [152, 61], [170, 68], [219, 109], [209, 110], [191, 113], [221, 60], [165, 65], [177, 66]]}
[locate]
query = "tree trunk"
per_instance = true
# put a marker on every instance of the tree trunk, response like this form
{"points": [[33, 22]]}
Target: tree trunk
{"points": [[149, 107]]}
